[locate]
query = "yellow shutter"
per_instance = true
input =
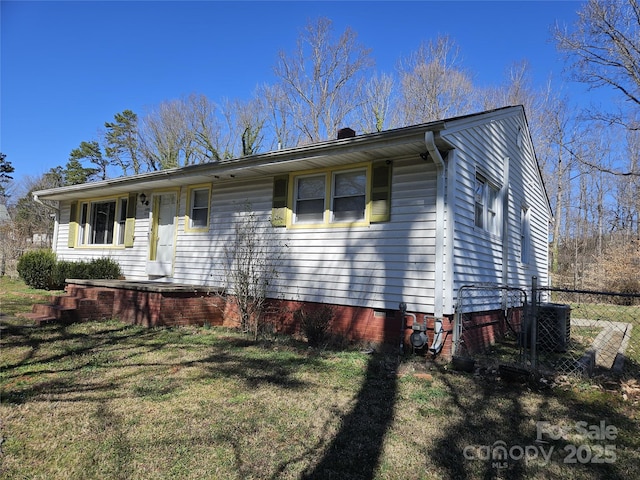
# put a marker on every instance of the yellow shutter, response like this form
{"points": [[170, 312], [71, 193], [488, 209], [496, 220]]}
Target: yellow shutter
{"points": [[280, 197], [381, 192], [130, 222], [73, 225]]}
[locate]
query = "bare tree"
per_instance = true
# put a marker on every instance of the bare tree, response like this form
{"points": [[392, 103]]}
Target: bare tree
{"points": [[626, 217], [277, 118], [603, 50], [377, 103], [245, 125], [434, 85], [250, 119], [203, 129], [252, 262], [322, 80], [164, 136]]}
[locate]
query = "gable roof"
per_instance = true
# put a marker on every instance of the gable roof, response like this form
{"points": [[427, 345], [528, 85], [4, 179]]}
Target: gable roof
{"points": [[387, 144]]}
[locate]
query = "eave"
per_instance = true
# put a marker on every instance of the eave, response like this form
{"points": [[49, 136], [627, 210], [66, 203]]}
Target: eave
{"points": [[389, 144]]}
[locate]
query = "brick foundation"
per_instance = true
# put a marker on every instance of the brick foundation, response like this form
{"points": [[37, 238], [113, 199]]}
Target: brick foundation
{"points": [[166, 305], [482, 330]]}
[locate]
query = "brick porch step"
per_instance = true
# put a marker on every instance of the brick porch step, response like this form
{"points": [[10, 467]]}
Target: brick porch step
{"points": [[78, 305]]}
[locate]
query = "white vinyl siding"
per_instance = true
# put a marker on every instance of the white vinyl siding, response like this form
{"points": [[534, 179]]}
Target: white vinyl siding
{"points": [[377, 265], [479, 257]]}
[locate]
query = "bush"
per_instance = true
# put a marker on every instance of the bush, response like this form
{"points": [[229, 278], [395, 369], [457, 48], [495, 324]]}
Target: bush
{"points": [[62, 270], [104, 268], [36, 268], [50, 274], [315, 322], [98, 268]]}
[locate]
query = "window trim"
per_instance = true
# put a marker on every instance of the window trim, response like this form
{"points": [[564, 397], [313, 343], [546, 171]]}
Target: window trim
{"points": [[188, 212], [525, 235], [84, 210], [488, 207], [329, 173]]}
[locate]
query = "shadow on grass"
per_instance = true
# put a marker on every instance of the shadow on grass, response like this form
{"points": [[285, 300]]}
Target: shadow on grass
{"points": [[497, 434], [355, 450], [60, 350], [67, 364]]}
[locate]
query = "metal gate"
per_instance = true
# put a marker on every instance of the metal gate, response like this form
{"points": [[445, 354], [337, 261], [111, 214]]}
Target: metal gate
{"points": [[490, 321]]}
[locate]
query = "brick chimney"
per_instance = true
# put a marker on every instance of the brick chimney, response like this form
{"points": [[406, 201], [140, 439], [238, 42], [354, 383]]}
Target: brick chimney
{"points": [[346, 133]]}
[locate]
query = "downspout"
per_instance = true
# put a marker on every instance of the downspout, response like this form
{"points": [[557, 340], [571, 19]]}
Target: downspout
{"points": [[438, 301]]}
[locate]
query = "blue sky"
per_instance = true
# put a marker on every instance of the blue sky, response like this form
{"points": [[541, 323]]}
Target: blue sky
{"points": [[68, 67]]}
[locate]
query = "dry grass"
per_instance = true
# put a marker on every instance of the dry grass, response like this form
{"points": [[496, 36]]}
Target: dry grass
{"points": [[108, 400]]}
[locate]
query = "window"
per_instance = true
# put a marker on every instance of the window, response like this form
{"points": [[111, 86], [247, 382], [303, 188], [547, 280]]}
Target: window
{"points": [[103, 222], [353, 196], [310, 199], [331, 197], [525, 235], [486, 205], [198, 216], [349, 196]]}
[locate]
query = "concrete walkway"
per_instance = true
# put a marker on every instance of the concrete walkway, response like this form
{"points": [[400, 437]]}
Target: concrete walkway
{"points": [[610, 345]]}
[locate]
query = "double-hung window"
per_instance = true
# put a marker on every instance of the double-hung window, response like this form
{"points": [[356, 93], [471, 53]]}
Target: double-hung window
{"points": [[310, 199], [349, 196], [198, 216], [486, 197], [331, 197]]}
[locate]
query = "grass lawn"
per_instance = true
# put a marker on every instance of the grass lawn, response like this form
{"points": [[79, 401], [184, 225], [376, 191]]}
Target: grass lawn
{"points": [[113, 401]]}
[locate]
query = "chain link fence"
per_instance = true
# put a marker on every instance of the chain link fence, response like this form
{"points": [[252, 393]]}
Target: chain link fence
{"points": [[548, 330], [586, 332]]}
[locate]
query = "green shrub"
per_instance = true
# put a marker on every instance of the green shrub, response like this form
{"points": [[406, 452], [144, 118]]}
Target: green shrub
{"points": [[62, 270], [315, 322], [104, 268], [54, 274], [36, 267]]}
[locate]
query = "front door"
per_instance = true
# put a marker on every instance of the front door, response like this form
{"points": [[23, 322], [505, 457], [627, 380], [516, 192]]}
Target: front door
{"points": [[163, 233]]}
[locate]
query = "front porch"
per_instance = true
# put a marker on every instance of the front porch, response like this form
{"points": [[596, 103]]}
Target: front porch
{"points": [[137, 302], [154, 304]]}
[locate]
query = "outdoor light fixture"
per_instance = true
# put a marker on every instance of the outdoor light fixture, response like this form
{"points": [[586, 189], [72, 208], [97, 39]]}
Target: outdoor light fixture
{"points": [[143, 199]]}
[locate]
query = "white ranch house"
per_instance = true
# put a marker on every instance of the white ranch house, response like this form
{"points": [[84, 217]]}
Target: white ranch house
{"points": [[365, 222]]}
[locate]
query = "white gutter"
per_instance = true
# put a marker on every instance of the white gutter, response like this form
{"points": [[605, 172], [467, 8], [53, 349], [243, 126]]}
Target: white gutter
{"points": [[434, 153], [37, 200]]}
